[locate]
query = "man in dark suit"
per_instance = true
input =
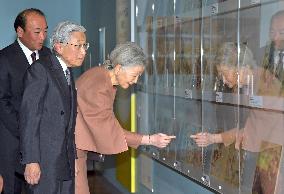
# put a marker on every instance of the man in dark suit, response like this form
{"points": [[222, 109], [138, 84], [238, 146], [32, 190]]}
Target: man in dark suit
{"points": [[48, 113], [273, 60], [31, 28]]}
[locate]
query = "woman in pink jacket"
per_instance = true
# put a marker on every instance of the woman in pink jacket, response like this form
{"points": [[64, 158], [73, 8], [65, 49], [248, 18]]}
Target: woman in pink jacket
{"points": [[97, 129]]}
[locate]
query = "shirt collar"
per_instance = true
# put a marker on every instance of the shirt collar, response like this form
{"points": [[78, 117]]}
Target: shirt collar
{"points": [[27, 52], [62, 63]]}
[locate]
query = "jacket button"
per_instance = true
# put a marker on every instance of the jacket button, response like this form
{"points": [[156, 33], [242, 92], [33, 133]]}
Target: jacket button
{"points": [[62, 112]]}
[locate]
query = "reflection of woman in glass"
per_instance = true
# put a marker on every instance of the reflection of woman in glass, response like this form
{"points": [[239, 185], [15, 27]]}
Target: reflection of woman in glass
{"points": [[233, 76], [227, 68], [261, 138], [97, 129], [226, 62]]}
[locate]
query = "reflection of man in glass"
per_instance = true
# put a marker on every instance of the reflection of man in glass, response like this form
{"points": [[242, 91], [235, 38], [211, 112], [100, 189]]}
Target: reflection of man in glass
{"points": [[273, 59], [277, 30], [262, 136]]}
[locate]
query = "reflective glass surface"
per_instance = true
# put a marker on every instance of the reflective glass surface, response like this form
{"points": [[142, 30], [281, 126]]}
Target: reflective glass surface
{"points": [[215, 80]]}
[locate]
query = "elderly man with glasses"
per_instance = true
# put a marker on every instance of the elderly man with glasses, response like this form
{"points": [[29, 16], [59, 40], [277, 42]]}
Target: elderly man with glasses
{"points": [[48, 113]]}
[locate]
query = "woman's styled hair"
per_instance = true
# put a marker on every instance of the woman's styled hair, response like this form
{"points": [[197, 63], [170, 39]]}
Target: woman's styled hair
{"points": [[127, 54], [228, 55]]}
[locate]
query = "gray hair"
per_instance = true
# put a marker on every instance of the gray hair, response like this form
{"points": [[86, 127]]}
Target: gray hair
{"points": [[63, 31], [227, 55], [127, 54], [277, 15]]}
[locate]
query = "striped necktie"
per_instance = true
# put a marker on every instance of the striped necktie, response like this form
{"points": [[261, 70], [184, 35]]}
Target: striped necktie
{"points": [[68, 77], [33, 56]]}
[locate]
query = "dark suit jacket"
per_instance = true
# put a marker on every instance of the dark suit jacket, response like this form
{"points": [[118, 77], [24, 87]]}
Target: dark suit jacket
{"points": [[267, 62], [47, 120], [13, 65]]}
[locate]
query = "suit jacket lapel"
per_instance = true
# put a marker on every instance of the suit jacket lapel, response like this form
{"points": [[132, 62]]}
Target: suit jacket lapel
{"points": [[59, 74], [64, 88], [73, 108], [268, 62], [42, 53], [20, 57], [60, 79]]}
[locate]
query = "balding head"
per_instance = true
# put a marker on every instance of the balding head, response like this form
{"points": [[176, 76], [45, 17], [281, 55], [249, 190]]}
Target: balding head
{"points": [[277, 30]]}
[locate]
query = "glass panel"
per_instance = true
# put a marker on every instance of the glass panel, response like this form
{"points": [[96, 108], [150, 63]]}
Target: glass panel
{"points": [[214, 79], [164, 74], [146, 119], [262, 163], [219, 113], [102, 44]]}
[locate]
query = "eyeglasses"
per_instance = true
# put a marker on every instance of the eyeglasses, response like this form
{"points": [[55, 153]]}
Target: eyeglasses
{"points": [[280, 32], [85, 46]]}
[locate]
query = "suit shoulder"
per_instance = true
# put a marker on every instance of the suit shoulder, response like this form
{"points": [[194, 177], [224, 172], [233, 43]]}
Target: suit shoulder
{"points": [[45, 50], [7, 53], [41, 64], [44, 59], [8, 50], [36, 66]]}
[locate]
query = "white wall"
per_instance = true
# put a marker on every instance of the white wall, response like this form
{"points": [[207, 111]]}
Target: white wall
{"points": [[55, 11]]}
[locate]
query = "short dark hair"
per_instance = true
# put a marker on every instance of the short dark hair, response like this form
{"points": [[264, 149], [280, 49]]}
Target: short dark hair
{"points": [[21, 18]]}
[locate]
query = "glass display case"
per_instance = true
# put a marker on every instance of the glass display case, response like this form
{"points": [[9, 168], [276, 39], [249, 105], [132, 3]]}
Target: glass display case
{"points": [[215, 80]]}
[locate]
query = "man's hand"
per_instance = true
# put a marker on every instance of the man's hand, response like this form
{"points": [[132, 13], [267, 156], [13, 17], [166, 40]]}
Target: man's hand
{"points": [[76, 168], [1, 183], [32, 173]]}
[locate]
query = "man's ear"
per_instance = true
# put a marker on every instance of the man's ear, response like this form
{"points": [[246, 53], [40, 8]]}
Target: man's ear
{"points": [[20, 31], [58, 48]]}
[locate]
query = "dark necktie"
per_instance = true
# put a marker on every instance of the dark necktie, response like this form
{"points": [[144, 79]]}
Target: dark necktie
{"points": [[279, 68], [68, 77], [33, 55]]}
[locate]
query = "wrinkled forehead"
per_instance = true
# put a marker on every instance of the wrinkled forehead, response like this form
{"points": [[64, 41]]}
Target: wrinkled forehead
{"points": [[224, 68], [78, 37], [135, 68], [277, 22]]}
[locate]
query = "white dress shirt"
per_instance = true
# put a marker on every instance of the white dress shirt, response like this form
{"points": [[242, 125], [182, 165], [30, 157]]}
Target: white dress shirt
{"points": [[28, 52], [63, 64]]}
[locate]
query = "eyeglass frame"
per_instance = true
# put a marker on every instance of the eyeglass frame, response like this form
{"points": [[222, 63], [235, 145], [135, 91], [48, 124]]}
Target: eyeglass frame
{"points": [[85, 46]]}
